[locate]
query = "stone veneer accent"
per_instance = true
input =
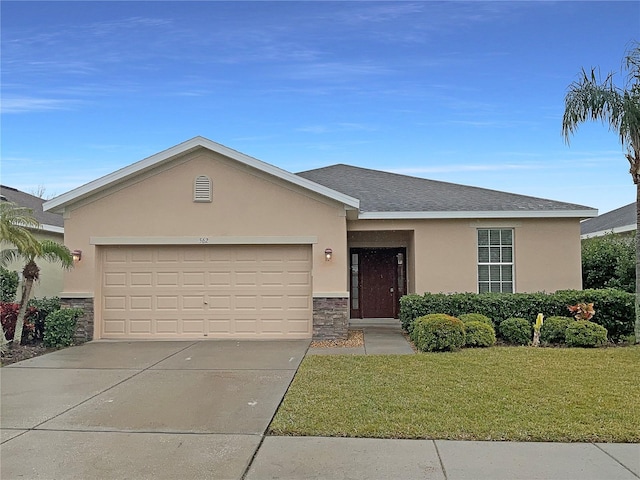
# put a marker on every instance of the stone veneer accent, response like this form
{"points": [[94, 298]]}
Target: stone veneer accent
{"points": [[330, 318], [84, 327]]}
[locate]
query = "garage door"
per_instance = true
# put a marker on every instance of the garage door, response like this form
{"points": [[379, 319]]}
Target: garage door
{"points": [[206, 291]]}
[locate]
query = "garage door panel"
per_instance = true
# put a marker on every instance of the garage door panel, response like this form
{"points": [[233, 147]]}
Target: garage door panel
{"points": [[300, 326], [141, 256], [219, 279], [193, 302], [140, 326], [167, 302], [206, 291], [137, 302], [193, 279], [115, 279], [167, 279], [245, 278], [115, 327]]}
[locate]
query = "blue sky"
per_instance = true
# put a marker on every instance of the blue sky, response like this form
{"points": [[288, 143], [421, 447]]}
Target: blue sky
{"points": [[465, 92]]}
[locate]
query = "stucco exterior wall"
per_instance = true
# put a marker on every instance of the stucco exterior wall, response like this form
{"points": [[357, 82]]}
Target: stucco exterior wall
{"points": [[443, 254], [50, 283], [246, 203]]}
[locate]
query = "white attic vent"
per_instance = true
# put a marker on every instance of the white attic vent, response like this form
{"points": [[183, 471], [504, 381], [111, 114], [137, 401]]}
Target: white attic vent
{"points": [[202, 189]]}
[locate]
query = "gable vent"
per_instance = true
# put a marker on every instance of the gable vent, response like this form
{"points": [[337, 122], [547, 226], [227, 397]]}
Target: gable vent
{"points": [[202, 189]]}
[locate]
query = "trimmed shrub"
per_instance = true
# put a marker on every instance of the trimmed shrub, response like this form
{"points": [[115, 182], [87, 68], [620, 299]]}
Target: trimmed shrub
{"points": [[615, 309], [438, 332], [554, 328], [516, 330], [475, 317], [479, 334], [583, 333], [60, 326], [45, 306], [8, 285]]}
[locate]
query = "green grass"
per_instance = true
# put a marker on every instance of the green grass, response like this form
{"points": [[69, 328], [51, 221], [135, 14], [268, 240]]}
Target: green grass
{"points": [[505, 393]]}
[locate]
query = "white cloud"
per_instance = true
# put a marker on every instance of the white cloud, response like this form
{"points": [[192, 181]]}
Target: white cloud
{"points": [[32, 104]]}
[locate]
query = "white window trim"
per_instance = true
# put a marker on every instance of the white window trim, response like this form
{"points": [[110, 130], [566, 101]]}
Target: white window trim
{"points": [[512, 263]]}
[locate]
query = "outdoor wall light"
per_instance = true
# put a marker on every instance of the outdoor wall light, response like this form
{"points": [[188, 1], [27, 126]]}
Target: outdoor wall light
{"points": [[328, 253], [77, 255]]}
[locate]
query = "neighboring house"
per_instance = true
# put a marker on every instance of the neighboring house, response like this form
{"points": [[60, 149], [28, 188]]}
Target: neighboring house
{"points": [[201, 241], [51, 274], [620, 220]]}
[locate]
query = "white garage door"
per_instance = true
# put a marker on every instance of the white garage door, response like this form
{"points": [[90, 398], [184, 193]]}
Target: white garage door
{"points": [[208, 291]]}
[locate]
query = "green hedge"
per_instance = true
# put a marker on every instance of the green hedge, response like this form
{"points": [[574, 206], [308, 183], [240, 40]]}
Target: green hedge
{"points": [[438, 332], [614, 308]]}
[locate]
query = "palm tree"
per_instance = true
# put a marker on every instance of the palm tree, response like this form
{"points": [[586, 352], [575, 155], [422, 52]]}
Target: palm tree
{"points": [[589, 98], [14, 224]]}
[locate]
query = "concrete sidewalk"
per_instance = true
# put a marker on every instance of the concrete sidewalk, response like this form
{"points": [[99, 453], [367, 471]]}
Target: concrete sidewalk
{"points": [[293, 458], [379, 339]]}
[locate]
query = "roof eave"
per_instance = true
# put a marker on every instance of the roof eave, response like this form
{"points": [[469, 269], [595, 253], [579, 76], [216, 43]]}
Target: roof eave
{"points": [[609, 231], [51, 228], [59, 203], [587, 213]]}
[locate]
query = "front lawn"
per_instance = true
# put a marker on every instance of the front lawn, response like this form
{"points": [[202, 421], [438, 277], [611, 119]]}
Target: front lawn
{"points": [[503, 393]]}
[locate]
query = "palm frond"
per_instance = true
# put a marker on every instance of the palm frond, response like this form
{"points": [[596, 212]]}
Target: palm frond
{"points": [[8, 255], [15, 225], [56, 252], [593, 99]]}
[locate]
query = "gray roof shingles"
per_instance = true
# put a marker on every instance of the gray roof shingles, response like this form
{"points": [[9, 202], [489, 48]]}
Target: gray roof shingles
{"points": [[34, 203], [380, 191], [620, 217]]}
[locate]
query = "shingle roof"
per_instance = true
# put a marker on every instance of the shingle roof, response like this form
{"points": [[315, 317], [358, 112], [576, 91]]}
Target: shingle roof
{"points": [[390, 192], [34, 203], [620, 219]]}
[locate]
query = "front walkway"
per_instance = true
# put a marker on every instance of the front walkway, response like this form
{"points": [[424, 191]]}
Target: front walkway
{"points": [[380, 338]]}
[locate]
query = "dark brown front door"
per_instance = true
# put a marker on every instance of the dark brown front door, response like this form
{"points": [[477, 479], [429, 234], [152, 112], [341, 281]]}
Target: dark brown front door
{"points": [[380, 281]]}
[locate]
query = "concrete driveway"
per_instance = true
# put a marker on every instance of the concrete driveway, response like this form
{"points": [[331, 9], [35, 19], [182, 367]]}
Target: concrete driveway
{"points": [[143, 409]]}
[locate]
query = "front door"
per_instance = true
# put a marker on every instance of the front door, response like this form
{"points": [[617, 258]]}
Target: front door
{"points": [[380, 277]]}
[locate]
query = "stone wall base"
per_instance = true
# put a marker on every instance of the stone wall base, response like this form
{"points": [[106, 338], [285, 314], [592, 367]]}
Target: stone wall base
{"points": [[330, 318], [84, 327]]}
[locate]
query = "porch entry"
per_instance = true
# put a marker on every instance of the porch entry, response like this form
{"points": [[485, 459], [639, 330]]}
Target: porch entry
{"points": [[378, 280]]}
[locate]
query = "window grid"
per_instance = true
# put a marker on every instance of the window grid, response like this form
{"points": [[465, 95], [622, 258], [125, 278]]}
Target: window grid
{"points": [[495, 260]]}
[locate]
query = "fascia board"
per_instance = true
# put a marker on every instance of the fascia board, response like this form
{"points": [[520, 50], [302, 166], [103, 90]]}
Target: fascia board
{"points": [[601, 233], [57, 204], [480, 214], [51, 228]]}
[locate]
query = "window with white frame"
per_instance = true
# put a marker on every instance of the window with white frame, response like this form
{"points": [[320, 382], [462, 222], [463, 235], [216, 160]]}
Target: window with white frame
{"points": [[495, 260]]}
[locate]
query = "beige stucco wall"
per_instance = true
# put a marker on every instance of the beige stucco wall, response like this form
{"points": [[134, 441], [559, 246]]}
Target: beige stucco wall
{"points": [[246, 203], [443, 254], [51, 274]]}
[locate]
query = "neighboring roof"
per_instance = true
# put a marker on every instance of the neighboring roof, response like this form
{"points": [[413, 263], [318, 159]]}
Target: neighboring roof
{"points": [[59, 203], [50, 222], [390, 195], [620, 220]]}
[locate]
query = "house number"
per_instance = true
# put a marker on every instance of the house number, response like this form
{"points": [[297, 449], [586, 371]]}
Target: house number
{"points": [[204, 239]]}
